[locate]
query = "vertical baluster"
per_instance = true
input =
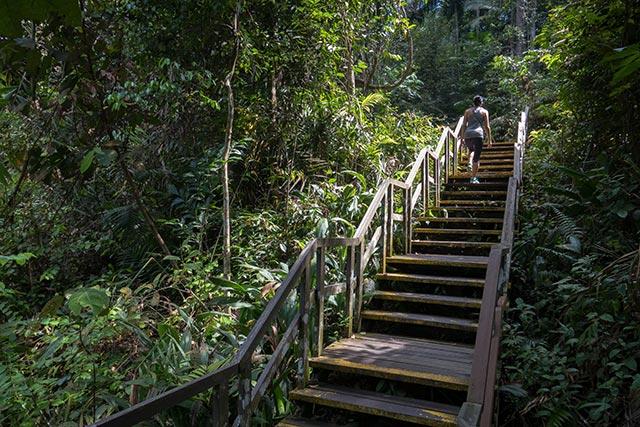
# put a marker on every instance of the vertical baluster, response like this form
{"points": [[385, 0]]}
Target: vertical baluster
{"points": [[390, 212], [304, 289], [425, 183], [320, 277], [360, 249], [244, 394], [220, 405], [383, 226], [349, 292]]}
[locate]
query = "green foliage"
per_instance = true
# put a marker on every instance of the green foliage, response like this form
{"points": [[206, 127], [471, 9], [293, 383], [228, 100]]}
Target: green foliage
{"points": [[591, 50], [572, 339]]}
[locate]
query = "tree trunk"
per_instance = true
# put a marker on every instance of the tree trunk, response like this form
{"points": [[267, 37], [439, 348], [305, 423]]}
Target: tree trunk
{"points": [[128, 176], [226, 202], [350, 77], [520, 26]]}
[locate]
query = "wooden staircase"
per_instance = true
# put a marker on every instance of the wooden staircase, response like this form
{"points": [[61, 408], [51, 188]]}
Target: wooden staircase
{"points": [[411, 361], [427, 338]]}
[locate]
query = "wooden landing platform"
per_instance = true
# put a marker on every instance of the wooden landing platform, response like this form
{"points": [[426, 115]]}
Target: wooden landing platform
{"points": [[412, 360]]}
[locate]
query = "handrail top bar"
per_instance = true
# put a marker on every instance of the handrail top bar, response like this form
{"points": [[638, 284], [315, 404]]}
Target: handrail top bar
{"points": [[142, 411], [398, 183], [371, 210], [417, 165]]}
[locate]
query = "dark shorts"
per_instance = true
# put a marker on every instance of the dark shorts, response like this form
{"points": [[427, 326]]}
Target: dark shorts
{"points": [[474, 145]]}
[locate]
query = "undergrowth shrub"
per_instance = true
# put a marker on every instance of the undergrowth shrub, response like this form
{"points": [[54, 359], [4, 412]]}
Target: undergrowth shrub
{"points": [[572, 340]]}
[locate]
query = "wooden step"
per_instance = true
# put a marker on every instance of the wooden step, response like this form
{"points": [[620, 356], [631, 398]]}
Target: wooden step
{"points": [[421, 319], [431, 280], [452, 244], [484, 185], [471, 202], [417, 411], [303, 422], [463, 231], [428, 299], [473, 192], [405, 359], [458, 220], [440, 260], [466, 210]]}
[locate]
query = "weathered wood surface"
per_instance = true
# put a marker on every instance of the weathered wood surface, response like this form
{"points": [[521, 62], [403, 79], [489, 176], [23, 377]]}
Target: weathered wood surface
{"points": [[447, 260], [400, 358], [467, 231], [428, 299], [421, 319], [470, 220], [453, 244], [431, 279], [418, 411]]}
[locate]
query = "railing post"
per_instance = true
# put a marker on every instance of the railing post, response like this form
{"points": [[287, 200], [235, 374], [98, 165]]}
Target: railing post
{"points": [[360, 249], [305, 313], [406, 211], [220, 405], [390, 222], [319, 324], [455, 153], [244, 394], [437, 182], [350, 291], [384, 219], [447, 160], [425, 183]]}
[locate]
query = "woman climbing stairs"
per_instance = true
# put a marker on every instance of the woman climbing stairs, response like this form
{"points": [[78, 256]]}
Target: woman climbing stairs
{"points": [[411, 364]]}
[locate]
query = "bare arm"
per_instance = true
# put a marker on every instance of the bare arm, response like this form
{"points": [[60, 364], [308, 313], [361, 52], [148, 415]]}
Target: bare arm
{"points": [[465, 120], [487, 127]]}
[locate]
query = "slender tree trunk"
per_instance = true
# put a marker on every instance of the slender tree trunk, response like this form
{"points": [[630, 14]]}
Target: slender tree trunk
{"points": [[226, 209], [520, 26], [145, 213], [350, 81]]}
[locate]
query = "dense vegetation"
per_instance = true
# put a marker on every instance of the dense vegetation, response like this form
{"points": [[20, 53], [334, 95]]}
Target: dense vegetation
{"points": [[133, 130]]}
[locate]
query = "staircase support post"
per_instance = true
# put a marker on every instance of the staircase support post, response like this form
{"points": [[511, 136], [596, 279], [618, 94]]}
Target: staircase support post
{"points": [[305, 314], [349, 291], [426, 185], [220, 405], [244, 394], [406, 211], [360, 249], [320, 278]]}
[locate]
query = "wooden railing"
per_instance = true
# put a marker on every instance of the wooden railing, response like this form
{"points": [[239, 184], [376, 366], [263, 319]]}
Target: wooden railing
{"points": [[478, 409], [384, 230]]}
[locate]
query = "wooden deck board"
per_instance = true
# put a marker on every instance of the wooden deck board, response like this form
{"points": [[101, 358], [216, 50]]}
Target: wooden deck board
{"points": [[472, 231], [430, 279], [437, 259], [395, 407], [421, 319], [428, 298], [436, 364]]}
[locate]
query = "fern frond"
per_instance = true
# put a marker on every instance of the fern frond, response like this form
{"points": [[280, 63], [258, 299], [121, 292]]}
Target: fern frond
{"points": [[567, 226]]}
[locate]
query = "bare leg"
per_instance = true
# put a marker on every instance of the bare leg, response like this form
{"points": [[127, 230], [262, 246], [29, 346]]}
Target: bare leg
{"points": [[474, 169]]}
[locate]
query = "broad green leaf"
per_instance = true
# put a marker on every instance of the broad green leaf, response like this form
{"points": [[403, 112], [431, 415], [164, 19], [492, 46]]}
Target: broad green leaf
{"points": [[94, 298], [19, 259], [87, 161], [322, 229]]}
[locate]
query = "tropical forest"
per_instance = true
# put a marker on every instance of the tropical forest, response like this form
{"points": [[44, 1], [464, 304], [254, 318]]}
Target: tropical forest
{"points": [[178, 177]]}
